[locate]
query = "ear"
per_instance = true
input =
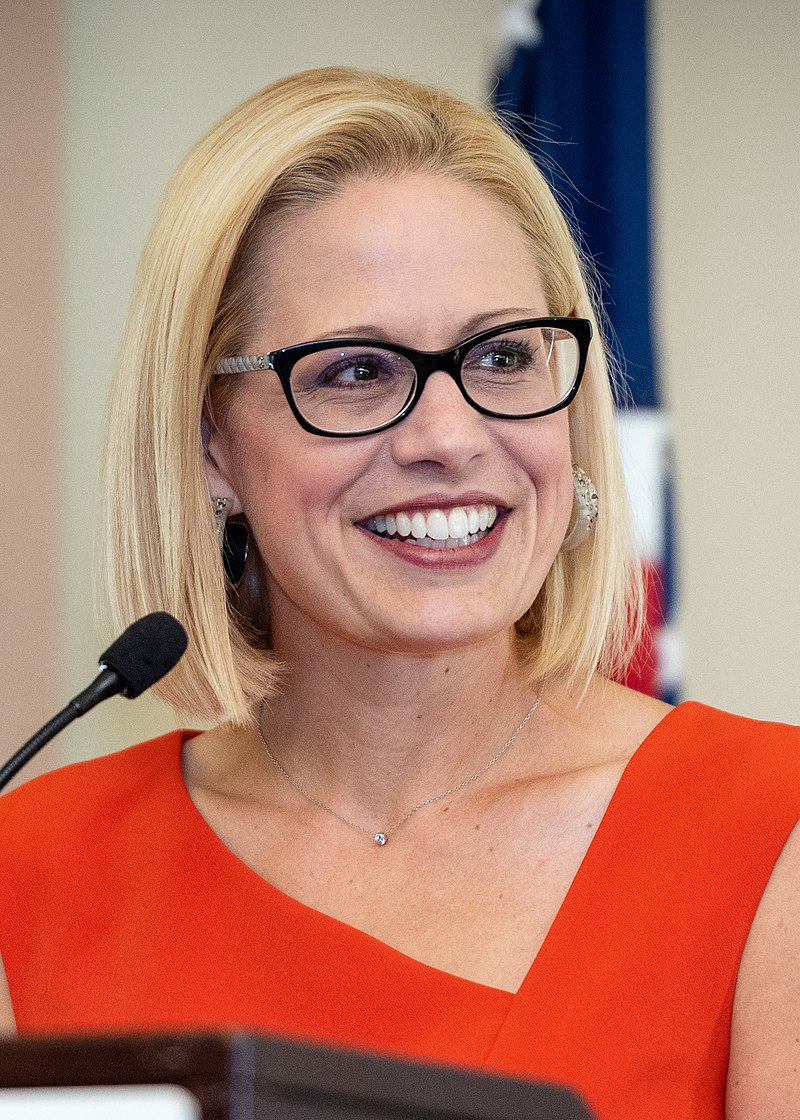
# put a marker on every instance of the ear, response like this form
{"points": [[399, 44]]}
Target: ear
{"points": [[215, 461]]}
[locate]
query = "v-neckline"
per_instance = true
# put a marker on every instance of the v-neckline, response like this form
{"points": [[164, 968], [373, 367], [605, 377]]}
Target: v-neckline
{"points": [[570, 901]]}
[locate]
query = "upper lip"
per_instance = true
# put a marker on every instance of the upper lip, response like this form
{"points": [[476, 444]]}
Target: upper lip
{"points": [[439, 501]]}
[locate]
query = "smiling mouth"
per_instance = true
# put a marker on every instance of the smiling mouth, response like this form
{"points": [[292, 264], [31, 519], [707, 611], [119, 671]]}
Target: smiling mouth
{"points": [[436, 528]]}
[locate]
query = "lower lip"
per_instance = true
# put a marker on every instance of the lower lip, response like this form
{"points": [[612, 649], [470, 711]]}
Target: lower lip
{"points": [[443, 559]]}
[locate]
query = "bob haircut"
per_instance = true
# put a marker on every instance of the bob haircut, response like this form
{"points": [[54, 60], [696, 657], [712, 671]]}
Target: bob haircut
{"points": [[284, 149]]}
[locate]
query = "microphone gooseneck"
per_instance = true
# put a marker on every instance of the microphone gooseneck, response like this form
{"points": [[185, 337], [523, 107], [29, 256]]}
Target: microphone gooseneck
{"points": [[141, 656]]}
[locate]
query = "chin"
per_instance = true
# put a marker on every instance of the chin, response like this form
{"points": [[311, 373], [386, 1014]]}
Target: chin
{"points": [[439, 636]]}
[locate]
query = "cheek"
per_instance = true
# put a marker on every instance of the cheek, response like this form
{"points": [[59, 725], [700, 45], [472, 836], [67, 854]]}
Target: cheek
{"points": [[543, 451], [545, 457], [292, 484]]}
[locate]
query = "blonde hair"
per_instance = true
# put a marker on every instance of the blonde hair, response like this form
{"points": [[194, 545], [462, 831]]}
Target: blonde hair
{"points": [[288, 146]]}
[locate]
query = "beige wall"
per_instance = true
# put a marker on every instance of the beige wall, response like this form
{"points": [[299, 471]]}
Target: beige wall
{"points": [[31, 349], [144, 78], [727, 156]]}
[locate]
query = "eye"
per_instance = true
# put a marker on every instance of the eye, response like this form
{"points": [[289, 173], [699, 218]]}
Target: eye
{"points": [[354, 369], [351, 371], [501, 356], [505, 354], [358, 370]]}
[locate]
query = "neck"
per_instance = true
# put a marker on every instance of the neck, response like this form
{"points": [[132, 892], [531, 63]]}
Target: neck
{"points": [[373, 733]]}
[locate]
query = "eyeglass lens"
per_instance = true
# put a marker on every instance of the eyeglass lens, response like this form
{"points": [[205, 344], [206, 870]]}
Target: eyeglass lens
{"points": [[514, 373]]}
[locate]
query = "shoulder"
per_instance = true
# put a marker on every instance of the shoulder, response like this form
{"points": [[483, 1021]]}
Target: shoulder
{"points": [[713, 777], [81, 841], [692, 728], [735, 749], [735, 776], [79, 796], [611, 722], [613, 713], [701, 719]]}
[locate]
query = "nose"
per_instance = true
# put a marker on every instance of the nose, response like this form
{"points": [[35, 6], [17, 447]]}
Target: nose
{"points": [[443, 429]]}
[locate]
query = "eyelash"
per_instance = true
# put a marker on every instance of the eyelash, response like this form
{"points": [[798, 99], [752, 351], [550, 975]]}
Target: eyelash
{"points": [[515, 347]]}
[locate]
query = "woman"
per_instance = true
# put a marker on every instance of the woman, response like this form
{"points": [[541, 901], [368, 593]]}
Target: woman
{"points": [[397, 834]]}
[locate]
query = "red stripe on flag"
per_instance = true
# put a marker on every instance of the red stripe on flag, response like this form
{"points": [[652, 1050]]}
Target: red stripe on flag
{"points": [[644, 672]]}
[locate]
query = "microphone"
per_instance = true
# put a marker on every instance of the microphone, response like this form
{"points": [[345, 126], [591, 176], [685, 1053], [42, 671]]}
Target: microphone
{"points": [[141, 656]]}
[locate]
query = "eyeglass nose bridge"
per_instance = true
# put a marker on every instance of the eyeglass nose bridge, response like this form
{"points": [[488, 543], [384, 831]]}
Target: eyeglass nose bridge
{"points": [[426, 364]]}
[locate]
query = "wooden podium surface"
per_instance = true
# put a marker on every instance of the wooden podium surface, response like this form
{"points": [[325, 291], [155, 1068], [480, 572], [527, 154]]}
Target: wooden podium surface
{"points": [[237, 1076]]}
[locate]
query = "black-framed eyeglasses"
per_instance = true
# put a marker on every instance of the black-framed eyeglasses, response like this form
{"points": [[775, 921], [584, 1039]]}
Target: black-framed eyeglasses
{"points": [[357, 386]]}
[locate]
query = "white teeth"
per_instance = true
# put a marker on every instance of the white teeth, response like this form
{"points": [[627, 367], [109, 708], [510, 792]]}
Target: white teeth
{"points": [[451, 542], [437, 529], [436, 523], [458, 523]]}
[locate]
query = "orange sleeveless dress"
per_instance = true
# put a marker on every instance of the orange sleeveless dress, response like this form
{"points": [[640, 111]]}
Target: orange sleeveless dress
{"points": [[120, 909]]}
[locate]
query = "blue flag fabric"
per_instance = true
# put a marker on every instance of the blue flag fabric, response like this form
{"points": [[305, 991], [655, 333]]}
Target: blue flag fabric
{"points": [[583, 86]]}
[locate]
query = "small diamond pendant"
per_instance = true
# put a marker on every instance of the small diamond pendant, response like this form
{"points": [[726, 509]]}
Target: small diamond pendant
{"points": [[380, 838]]}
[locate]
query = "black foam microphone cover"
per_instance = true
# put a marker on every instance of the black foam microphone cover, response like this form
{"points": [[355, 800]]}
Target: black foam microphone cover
{"points": [[146, 652]]}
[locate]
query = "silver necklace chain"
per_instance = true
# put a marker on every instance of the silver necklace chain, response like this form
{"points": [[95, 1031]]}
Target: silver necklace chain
{"points": [[380, 838]]}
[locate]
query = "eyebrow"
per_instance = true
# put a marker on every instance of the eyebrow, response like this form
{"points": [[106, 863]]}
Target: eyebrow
{"points": [[470, 326], [503, 315]]}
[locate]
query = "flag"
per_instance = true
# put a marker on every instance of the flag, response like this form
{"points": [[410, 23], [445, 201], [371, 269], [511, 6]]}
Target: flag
{"points": [[573, 85]]}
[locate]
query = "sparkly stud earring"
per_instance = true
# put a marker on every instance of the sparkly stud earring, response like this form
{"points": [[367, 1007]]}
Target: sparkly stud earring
{"points": [[233, 540], [588, 508]]}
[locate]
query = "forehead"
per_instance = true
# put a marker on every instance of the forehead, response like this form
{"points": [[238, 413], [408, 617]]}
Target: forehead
{"points": [[416, 256]]}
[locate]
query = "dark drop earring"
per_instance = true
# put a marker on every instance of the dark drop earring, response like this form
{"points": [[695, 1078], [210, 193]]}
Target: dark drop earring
{"points": [[233, 539]]}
